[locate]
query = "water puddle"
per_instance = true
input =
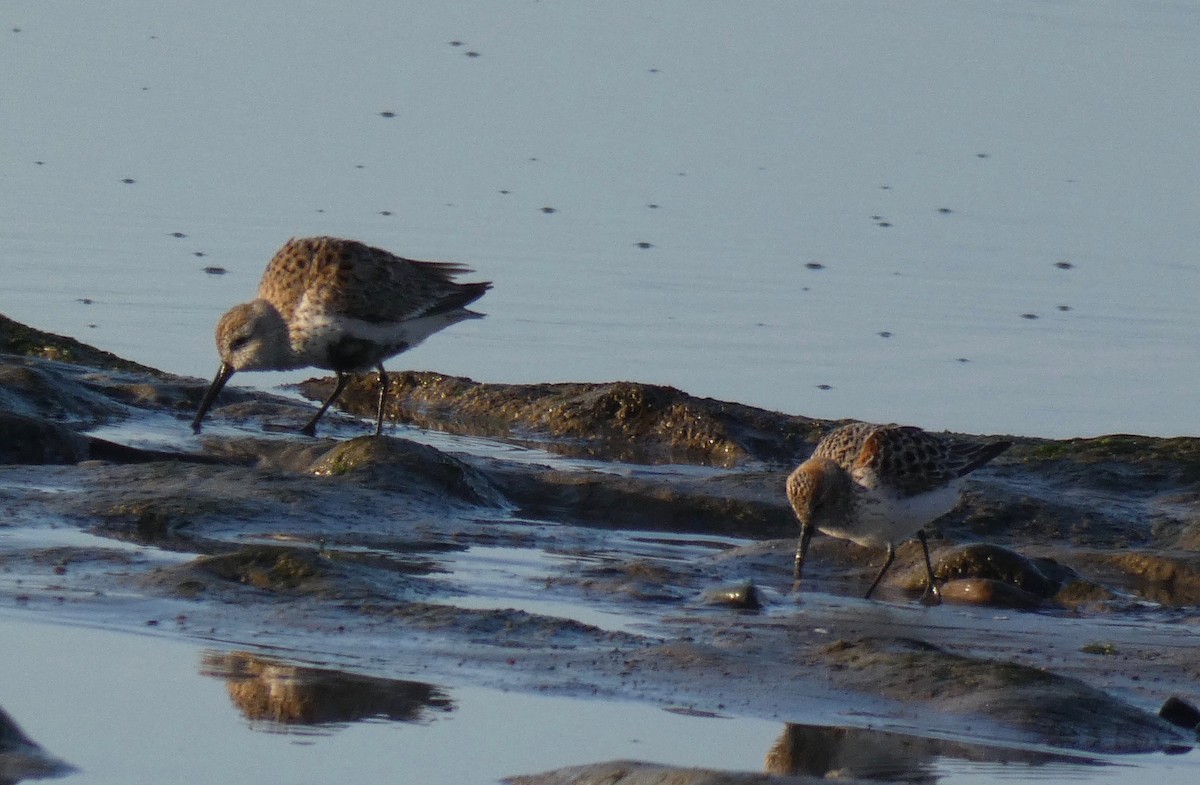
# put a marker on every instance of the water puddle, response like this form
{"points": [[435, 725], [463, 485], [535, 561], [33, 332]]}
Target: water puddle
{"points": [[502, 577]]}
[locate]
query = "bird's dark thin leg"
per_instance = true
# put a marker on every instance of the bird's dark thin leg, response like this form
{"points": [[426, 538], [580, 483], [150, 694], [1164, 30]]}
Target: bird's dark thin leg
{"points": [[383, 388], [311, 428], [931, 596], [806, 533], [891, 555]]}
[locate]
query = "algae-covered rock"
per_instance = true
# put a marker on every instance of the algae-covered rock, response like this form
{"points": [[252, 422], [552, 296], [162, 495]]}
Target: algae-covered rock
{"points": [[996, 563], [398, 464], [21, 339], [618, 421], [988, 592]]}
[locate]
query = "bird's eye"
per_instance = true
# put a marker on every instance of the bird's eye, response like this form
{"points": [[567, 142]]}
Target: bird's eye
{"points": [[239, 342]]}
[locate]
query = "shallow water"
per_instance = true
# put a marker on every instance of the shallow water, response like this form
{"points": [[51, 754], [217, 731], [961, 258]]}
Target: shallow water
{"points": [[178, 723], [742, 144]]}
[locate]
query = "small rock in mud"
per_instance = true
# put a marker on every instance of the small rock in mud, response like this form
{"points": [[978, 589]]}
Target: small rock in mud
{"points": [[1180, 713], [989, 592], [742, 596], [995, 564]]}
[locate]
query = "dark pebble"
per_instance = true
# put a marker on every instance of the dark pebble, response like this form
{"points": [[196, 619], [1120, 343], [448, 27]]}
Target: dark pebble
{"points": [[385, 212], [548, 210], [505, 191], [962, 360], [199, 254], [884, 224], [387, 114], [884, 334], [129, 181], [1064, 307], [85, 300], [472, 54], [215, 270], [824, 386], [645, 245], [743, 596], [981, 155], [1063, 265], [815, 266], [456, 43], [1180, 713], [180, 235], [945, 210], [1029, 316]]}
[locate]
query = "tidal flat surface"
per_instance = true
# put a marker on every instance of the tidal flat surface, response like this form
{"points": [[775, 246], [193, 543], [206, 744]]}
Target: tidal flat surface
{"points": [[636, 605]]}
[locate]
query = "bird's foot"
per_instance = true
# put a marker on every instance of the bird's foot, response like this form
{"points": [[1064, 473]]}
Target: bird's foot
{"points": [[932, 596]]}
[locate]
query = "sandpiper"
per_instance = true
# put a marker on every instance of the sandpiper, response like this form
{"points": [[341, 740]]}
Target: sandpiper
{"points": [[877, 485], [342, 306]]}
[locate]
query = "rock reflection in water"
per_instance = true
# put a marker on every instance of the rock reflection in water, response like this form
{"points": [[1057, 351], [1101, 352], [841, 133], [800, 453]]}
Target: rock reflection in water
{"points": [[835, 752], [21, 758], [286, 695]]}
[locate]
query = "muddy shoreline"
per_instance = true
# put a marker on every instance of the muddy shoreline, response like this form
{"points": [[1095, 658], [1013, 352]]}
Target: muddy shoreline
{"points": [[653, 521]]}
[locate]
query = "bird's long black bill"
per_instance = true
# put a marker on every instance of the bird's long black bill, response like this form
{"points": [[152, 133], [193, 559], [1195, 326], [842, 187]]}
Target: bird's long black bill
{"points": [[223, 374], [806, 533]]}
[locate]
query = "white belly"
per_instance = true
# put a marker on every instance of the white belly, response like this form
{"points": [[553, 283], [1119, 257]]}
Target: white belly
{"points": [[881, 519]]}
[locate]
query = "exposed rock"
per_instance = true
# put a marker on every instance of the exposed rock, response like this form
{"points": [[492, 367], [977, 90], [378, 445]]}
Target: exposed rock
{"points": [[384, 462], [20, 339], [616, 421], [742, 596], [22, 758], [987, 591]]}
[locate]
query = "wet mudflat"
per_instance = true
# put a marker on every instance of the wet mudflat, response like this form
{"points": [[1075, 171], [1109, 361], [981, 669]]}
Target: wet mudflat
{"points": [[490, 541]]}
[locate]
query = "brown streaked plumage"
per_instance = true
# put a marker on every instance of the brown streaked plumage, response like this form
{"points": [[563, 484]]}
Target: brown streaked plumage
{"points": [[876, 485], [342, 306]]}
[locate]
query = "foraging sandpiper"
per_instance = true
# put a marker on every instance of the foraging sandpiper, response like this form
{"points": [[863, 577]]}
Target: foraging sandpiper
{"points": [[342, 306], [876, 485]]}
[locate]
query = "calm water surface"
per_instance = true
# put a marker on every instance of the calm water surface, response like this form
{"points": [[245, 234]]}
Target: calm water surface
{"points": [[956, 169]]}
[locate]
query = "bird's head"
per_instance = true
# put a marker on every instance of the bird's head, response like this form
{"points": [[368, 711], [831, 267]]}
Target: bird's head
{"points": [[820, 492], [253, 337]]}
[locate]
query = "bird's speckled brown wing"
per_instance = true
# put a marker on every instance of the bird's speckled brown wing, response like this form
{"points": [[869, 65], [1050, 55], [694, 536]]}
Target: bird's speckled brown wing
{"points": [[357, 281], [908, 460], [843, 445]]}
